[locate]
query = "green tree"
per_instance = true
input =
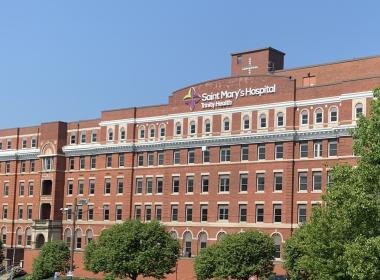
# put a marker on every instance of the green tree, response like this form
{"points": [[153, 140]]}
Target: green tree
{"points": [[132, 249], [237, 256], [54, 257], [350, 213]]}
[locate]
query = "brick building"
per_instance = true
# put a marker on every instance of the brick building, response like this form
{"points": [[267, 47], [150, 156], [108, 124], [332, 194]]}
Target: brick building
{"points": [[250, 151]]}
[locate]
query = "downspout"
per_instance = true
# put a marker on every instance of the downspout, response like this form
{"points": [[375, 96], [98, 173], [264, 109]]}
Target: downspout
{"points": [[133, 162]]}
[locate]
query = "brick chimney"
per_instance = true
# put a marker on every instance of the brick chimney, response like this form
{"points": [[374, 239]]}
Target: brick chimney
{"points": [[254, 62]]}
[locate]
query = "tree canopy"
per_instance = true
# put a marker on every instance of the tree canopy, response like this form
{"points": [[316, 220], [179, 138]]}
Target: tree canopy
{"points": [[237, 256], [329, 247], [132, 249]]}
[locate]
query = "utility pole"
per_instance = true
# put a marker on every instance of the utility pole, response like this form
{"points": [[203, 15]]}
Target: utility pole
{"points": [[74, 217]]}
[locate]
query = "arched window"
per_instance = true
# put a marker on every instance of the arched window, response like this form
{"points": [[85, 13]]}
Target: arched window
{"points": [[220, 236], [246, 123], [19, 236], [28, 237], [304, 117], [122, 134], [202, 240], [333, 114], [89, 236], [318, 116], [178, 128], [280, 119], [358, 110], [78, 238], [192, 127], [142, 132], [263, 121], [4, 235], [187, 241], [173, 235], [226, 124], [207, 126], [162, 130], [277, 243], [67, 237], [151, 131], [110, 134]]}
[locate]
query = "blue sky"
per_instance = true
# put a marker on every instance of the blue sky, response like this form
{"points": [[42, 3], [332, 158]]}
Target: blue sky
{"points": [[68, 60]]}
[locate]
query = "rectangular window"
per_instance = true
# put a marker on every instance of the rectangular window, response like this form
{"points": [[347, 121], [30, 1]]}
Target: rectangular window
{"points": [[223, 212], [205, 182], [21, 189], [121, 160], [261, 152], [243, 182], [279, 151], [260, 182], [23, 143], [333, 148], [7, 167], [301, 213], [190, 156], [23, 166], [20, 212], [242, 212], [302, 181], [120, 186], [79, 212], [137, 212], [304, 153], [91, 187], [277, 209], [159, 185], [29, 212], [189, 184], [90, 212], [175, 184], [6, 189], [93, 162], [150, 159], [119, 212], [244, 152], [277, 182], [204, 212], [83, 137], [174, 213], [317, 181], [149, 185], [189, 213], [160, 158], [32, 166], [225, 154], [80, 187], [33, 143], [81, 162], [139, 186], [70, 187], [69, 212], [224, 183], [317, 149], [106, 212], [9, 144], [108, 161], [5, 212], [94, 136], [73, 139], [140, 159], [148, 213], [30, 189], [158, 214], [206, 155], [330, 181], [176, 157], [107, 186], [72, 163]]}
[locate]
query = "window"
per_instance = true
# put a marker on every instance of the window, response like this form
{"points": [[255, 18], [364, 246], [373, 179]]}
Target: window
{"points": [[187, 239], [225, 154], [178, 128], [106, 212], [188, 213], [140, 159], [243, 182], [192, 128], [30, 189], [202, 239], [70, 187], [176, 157], [223, 212], [29, 212], [4, 235], [158, 214], [302, 181], [239, 59], [175, 184], [5, 212], [80, 187], [277, 182], [205, 184], [79, 212], [244, 152], [330, 181], [261, 152], [6, 189], [90, 212], [333, 148], [190, 156], [93, 162], [280, 119], [162, 130], [263, 121], [19, 237], [23, 143], [358, 110], [242, 212], [47, 163], [72, 163], [277, 243], [7, 167], [110, 134], [78, 235], [160, 158], [226, 124], [142, 132], [107, 186], [94, 136], [91, 187], [20, 212], [189, 184], [318, 116], [81, 162], [32, 165], [277, 209], [119, 213], [139, 185], [333, 114], [83, 137], [301, 213], [246, 123], [205, 155], [122, 134], [28, 237], [89, 236], [304, 150], [68, 213], [207, 127], [279, 151], [149, 185], [109, 160], [121, 160], [159, 185], [317, 149], [151, 132], [33, 142], [23, 166], [73, 139], [137, 212], [120, 186], [317, 181], [174, 213], [204, 212], [150, 159], [304, 117], [224, 183], [260, 182], [21, 189]]}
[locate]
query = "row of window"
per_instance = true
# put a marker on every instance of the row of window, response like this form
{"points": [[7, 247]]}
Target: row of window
{"points": [[24, 167], [20, 212], [91, 187], [93, 161], [24, 143]]}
